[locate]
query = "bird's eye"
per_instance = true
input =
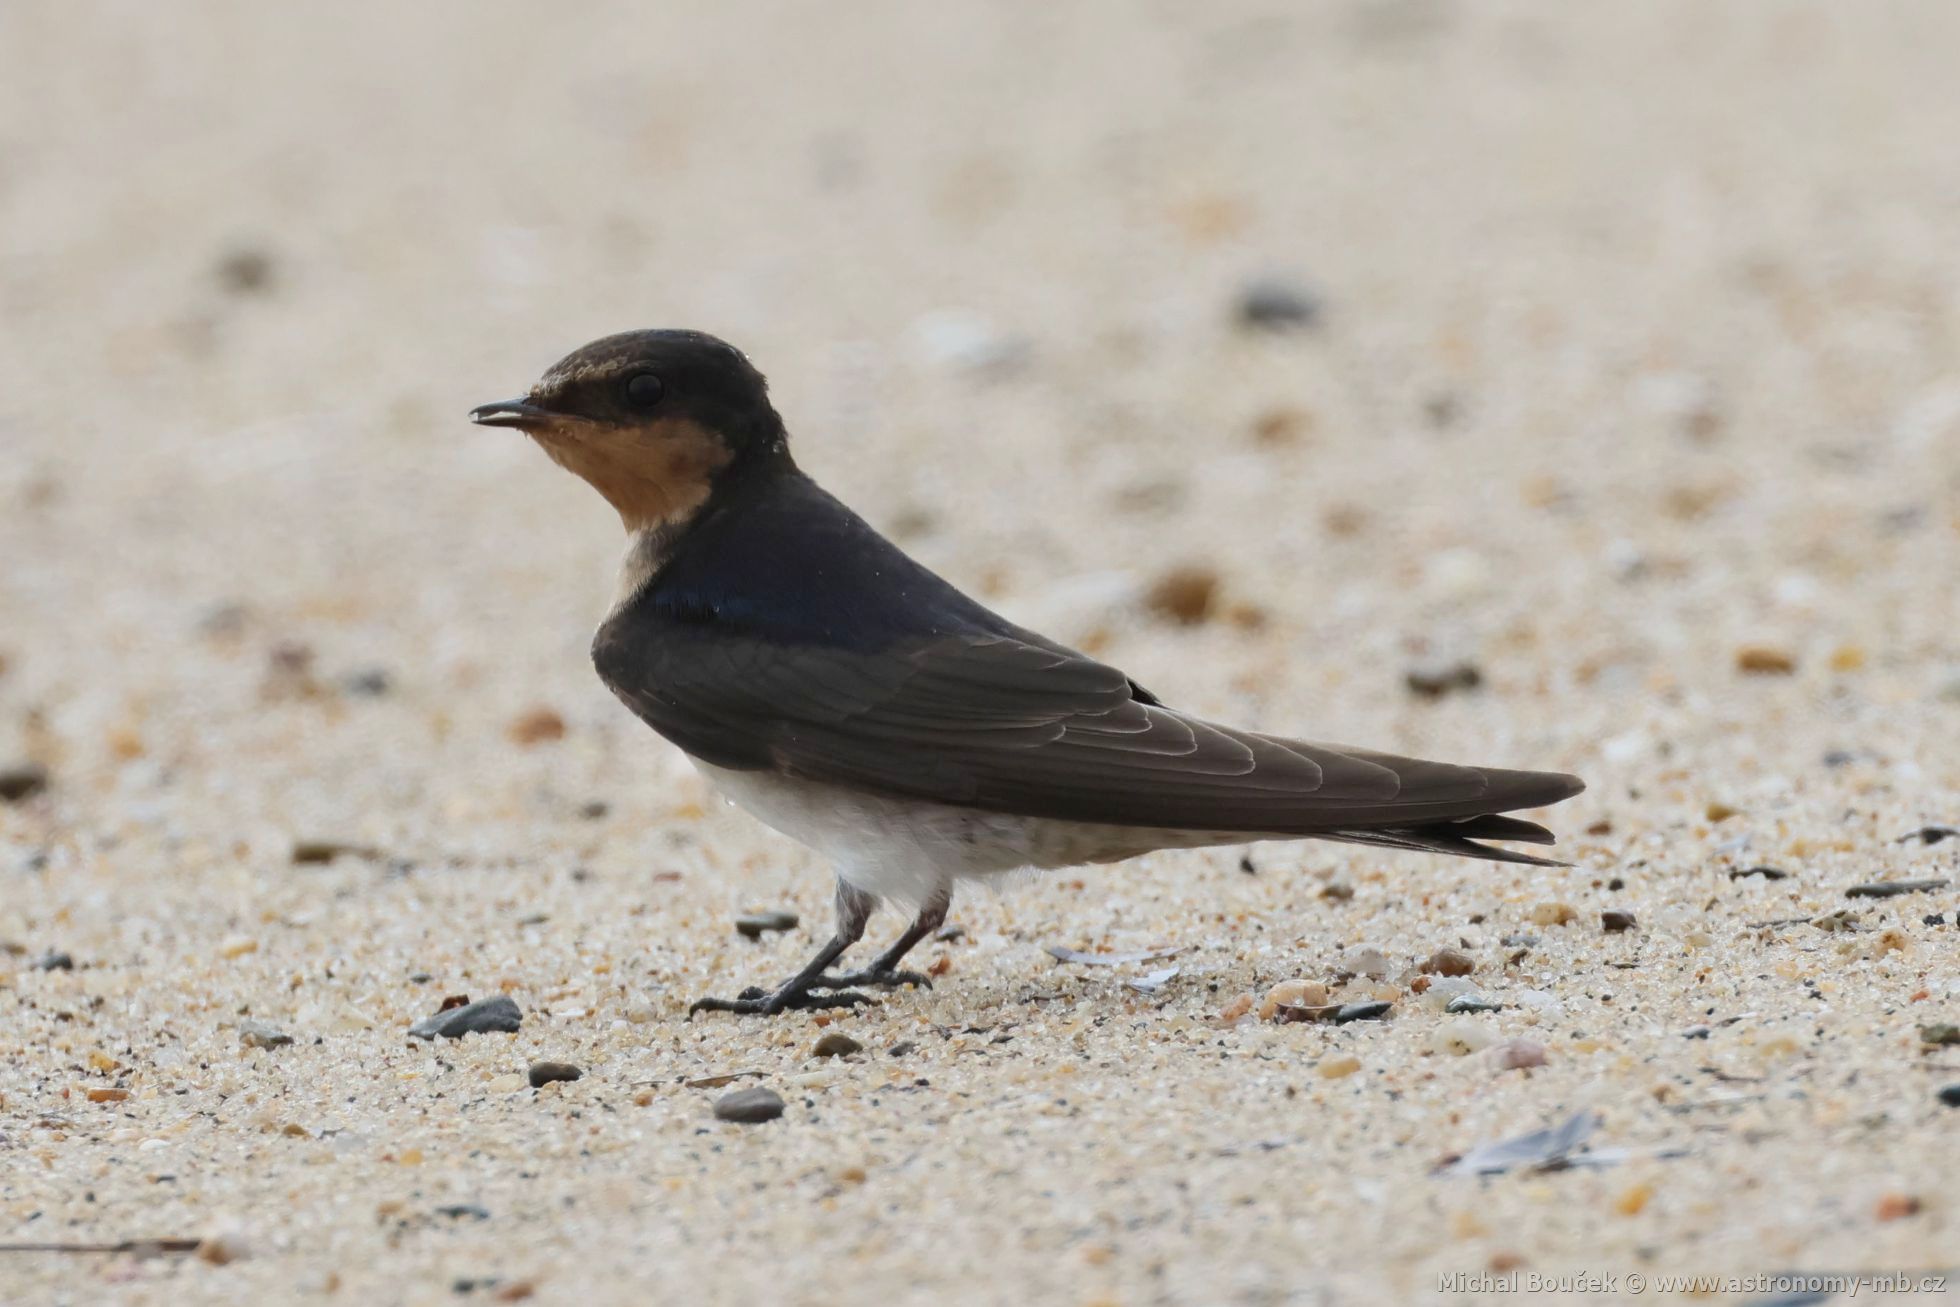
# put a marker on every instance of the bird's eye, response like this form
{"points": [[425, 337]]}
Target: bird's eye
{"points": [[643, 390]]}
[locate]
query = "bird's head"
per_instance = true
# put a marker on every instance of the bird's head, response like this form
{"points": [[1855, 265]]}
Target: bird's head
{"points": [[652, 419]]}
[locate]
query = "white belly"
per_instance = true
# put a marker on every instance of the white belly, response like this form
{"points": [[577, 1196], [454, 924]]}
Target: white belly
{"points": [[906, 849]]}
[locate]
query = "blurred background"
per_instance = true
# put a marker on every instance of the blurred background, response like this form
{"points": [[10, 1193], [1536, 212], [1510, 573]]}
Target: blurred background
{"points": [[1613, 336], [1559, 386]]}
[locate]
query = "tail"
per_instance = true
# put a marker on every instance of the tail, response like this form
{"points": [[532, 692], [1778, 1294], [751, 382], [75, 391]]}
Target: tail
{"points": [[1459, 838], [1475, 818]]}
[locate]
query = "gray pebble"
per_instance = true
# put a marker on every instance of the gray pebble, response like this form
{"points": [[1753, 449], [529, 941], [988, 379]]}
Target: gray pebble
{"points": [[1616, 922], [1886, 889], [1274, 303], [543, 1073], [837, 1044], [1951, 1095], [749, 1106], [1434, 680], [256, 1034], [1361, 1012], [1471, 1003], [457, 1211], [1767, 873], [497, 1014], [55, 962], [368, 682], [752, 925]]}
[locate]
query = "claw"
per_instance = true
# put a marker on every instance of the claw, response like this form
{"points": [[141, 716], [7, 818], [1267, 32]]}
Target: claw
{"points": [[755, 1001], [875, 979]]}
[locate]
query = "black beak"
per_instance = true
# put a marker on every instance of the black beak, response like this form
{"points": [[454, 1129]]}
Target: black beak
{"points": [[508, 413]]}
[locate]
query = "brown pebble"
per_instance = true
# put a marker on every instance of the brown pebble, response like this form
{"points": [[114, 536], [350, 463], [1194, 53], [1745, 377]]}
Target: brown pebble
{"points": [[1761, 660], [749, 1106], [1894, 1207], [1518, 1054], [1339, 891], [1720, 812], [837, 1044], [107, 1095], [538, 726], [544, 1073], [1281, 426], [1448, 962], [1616, 922], [1184, 595]]}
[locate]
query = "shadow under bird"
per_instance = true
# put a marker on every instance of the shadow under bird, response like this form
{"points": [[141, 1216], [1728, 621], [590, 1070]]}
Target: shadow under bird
{"points": [[853, 700]]}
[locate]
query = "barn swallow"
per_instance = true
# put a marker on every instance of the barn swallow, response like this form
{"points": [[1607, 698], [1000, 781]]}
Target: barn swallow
{"points": [[854, 701]]}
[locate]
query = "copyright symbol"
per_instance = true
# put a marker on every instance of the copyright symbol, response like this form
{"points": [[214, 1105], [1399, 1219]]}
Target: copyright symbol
{"points": [[1636, 1284]]}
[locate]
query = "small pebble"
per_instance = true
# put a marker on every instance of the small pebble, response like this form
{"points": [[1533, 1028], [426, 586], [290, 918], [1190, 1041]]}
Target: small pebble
{"points": [[1460, 1038], [1374, 1011], [256, 1034], [1518, 1054], [1334, 1068], [457, 1211], [752, 925], [1939, 1034], [245, 270], [1276, 303], [1339, 891], [1444, 990], [1468, 1003], [1448, 962], [491, 1015], [1886, 889], [544, 1073], [308, 853], [1434, 680], [1185, 595], [1720, 812], [1552, 914], [368, 682], [1292, 993], [1761, 660], [901, 1048], [55, 962], [1364, 960], [1930, 834], [749, 1106], [1767, 873], [1896, 1207], [22, 781], [837, 1044], [538, 726], [1615, 922], [1951, 1095]]}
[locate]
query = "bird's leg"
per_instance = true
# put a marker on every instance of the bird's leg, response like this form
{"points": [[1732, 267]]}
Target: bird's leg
{"points": [[853, 910], [884, 972]]}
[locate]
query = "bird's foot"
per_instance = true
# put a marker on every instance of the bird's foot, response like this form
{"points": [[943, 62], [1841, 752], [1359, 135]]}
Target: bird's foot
{"points": [[756, 1001], [874, 978]]}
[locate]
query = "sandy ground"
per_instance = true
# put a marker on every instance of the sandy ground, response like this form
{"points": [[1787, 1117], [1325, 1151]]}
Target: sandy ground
{"points": [[1638, 347]]}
